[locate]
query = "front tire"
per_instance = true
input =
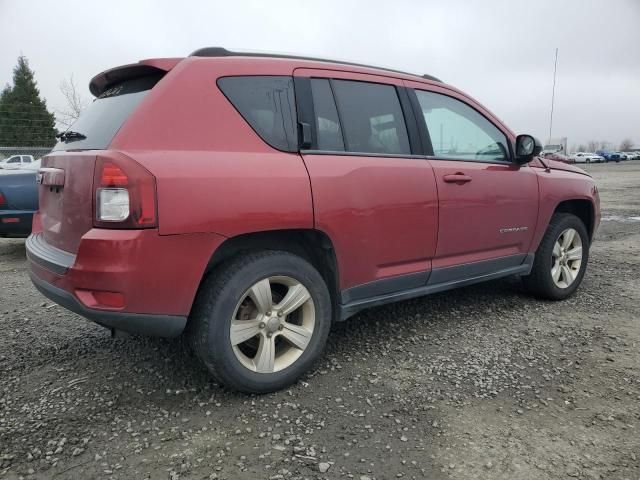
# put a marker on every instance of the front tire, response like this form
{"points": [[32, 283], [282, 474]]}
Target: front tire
{"points": [[261, 321], [561, 259]]}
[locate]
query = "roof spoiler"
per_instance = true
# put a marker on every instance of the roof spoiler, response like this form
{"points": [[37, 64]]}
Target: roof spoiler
{"points": [[103, 81]]}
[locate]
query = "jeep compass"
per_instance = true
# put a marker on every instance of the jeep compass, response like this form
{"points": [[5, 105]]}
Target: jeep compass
{"points": [[251, 200]]}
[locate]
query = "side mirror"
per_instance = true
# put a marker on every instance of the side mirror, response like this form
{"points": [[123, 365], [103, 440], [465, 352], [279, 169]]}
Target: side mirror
{"points": [[527, 147]]}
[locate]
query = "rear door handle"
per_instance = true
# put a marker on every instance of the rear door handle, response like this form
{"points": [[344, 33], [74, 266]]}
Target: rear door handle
{"points": [[457, 178]]}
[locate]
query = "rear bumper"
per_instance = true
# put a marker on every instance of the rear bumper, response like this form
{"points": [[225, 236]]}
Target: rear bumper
{"points": [[153, 278], [52, 258], [153, 325]]}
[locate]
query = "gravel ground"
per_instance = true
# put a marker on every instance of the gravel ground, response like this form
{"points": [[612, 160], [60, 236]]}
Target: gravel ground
{"points": [[482, 382]]}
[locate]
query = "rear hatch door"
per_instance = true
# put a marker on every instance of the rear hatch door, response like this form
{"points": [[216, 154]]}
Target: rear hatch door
{"points": [[66, 206], [66, 177]]}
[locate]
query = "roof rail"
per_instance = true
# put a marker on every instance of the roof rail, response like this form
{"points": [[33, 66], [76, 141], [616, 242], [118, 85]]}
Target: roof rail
{"points": [[223, 52], [426, 76]]}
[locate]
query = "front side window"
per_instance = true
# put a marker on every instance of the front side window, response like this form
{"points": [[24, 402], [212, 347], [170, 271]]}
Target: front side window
{"points": [[14, 160], [371, 117], [459, 132], [268, 104]]}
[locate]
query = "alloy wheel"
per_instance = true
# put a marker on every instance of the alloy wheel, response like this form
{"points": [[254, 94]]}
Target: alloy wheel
{"points": [[272, 324], [566, 258]]}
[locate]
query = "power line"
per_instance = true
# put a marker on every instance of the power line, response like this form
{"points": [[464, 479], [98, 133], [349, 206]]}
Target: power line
{"points": [[8, 122], [29, 111]]}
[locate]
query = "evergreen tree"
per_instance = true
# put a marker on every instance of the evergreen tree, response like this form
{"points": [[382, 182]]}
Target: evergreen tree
{"points": [[24, 118]]}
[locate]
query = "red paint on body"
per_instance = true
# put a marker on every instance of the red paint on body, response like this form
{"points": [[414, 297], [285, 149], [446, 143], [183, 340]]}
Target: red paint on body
{"points": [[216, 179]]}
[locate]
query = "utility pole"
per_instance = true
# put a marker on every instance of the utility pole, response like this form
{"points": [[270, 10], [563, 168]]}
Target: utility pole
{"points": [[553, 93]]}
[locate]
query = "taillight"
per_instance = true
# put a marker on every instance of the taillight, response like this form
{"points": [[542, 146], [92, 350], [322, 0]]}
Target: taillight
{"points": [[113, 204], [113, 176], [125, 194], [3, 201]]}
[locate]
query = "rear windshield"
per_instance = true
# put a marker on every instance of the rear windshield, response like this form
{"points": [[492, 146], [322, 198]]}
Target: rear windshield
{"points": [[101, 120]]}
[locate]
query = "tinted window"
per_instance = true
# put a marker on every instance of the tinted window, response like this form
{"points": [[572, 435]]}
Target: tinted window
{"points": [[14, 160], [458, 131], [268, 105], [101, 120], [329, 133], [371, 117]]}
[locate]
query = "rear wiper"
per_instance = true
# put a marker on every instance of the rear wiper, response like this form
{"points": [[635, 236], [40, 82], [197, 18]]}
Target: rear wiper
{"points": [[70, 135]]}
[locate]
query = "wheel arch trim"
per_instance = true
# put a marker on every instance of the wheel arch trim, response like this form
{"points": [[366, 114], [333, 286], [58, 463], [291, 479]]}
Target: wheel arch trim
{"points": [[314, 245]]}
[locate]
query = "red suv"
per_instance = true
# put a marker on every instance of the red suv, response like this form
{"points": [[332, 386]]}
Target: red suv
{"points": [[251, 200]]}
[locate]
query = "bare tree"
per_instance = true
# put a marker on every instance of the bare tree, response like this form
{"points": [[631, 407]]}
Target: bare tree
{"points": [[626, 144], [592, 146], [582, 147], [75, 102]]}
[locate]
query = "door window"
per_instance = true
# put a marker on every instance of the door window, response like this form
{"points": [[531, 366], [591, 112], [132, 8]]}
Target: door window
{"points": [[371, 117], [458, 131], [329, 133]]}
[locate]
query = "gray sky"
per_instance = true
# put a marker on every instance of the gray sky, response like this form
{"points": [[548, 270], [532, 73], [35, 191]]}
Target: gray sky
{"points": [[498, 51]]}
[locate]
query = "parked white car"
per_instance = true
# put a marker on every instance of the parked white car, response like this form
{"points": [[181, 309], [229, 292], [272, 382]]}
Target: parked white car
{"points": [[16, 161], [632, 155], [584, 157]]}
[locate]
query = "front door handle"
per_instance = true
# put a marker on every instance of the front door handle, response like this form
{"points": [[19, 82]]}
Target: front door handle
{"points": [[457, 178]]}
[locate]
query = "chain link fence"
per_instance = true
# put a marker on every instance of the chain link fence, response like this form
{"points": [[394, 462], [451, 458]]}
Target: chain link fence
{"points": [[36, 152]]}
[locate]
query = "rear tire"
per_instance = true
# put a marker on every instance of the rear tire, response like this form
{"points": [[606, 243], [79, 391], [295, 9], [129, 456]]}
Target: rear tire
{"points": [[561, 259], [261, 321]]}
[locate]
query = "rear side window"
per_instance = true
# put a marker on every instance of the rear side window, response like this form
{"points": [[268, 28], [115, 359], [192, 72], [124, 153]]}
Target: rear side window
{"points": [[329, 133], [371, 117], [101, 120], [268, 104]]}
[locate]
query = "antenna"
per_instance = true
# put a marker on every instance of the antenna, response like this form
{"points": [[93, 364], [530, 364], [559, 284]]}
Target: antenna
{"points": [[553, 93]]}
